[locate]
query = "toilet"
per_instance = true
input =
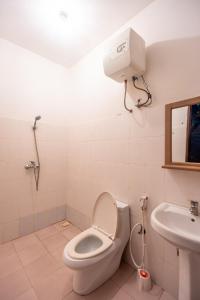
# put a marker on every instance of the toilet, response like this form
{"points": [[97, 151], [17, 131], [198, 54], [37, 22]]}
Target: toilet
{"points": [[95, 253]]}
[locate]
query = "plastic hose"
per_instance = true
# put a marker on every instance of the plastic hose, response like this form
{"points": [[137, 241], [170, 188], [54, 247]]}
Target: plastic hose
{"points": [[141, 266]]}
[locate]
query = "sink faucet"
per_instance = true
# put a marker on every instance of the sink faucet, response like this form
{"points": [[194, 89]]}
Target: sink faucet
{"points": [[194, 207]]}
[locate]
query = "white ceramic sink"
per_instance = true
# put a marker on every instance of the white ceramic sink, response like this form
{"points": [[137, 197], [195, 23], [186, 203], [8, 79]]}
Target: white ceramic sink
{"points": [[177, 225]]}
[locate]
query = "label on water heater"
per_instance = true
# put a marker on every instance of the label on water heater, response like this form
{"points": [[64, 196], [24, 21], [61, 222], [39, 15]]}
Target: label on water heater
{"points": [[119, 49]]}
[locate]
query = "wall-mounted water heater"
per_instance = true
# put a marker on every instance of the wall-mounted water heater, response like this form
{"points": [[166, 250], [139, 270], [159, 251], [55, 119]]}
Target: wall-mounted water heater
{"points": [[125, 60], [125, 56]]}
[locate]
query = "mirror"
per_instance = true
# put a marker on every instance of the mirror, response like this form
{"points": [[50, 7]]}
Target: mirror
{"points": [[182, 135]]}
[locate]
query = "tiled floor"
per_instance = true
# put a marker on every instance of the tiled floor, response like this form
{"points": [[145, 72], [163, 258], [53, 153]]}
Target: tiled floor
{"points": [[31, 268]]}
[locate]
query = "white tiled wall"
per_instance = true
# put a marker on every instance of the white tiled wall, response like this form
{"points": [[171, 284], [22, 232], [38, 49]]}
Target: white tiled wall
{"points": [[22, 209], [111, 150]]}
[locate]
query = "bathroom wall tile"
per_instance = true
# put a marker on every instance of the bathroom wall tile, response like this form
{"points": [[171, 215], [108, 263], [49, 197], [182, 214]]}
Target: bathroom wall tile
{"points": [[136, 186], [155, 244], [139, 124], [154, 179], [155, 120], [156, 266], [77, 218], [46, 232], [26, 225], [111, 151], [170, 283], [116, 128], [182, 188], [8, 206], [60, 213], [70, 232], [10, 231], [45, 218], [154, 150], [131, 288], [170, 254], [18, 187], [137, 151]]}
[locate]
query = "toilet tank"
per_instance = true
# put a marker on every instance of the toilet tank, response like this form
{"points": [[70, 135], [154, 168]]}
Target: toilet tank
{"points": [[123, 229]]}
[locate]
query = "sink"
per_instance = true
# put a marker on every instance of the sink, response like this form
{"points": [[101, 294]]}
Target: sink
{"points": [[179, 227]]}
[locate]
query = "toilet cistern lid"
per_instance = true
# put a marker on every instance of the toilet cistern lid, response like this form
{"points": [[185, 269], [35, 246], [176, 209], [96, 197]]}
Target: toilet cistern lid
{"points": [[105, 215]]}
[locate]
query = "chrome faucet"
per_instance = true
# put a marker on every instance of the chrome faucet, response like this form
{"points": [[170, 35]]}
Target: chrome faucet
{"points": [[194, 207]]}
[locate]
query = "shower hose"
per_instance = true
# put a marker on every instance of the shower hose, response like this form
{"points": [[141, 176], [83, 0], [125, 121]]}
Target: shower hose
{"points": [[37, 168]]}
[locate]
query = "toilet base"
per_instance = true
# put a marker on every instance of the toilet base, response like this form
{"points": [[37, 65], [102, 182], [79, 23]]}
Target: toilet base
{"points": [[87, 280]]}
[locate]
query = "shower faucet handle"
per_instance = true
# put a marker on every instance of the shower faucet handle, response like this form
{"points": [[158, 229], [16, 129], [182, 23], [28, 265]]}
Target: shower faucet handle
{"points": [[31, 165]]}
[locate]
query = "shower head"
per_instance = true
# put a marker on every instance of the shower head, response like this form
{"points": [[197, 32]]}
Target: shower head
{"points": [[37, 118]]}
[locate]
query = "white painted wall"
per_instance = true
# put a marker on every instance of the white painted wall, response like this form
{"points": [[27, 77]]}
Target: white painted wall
{"points": [[32, 85]]}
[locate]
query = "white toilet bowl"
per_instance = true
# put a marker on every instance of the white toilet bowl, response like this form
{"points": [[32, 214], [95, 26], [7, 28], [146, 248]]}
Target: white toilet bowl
{"points": [[95, 253]]}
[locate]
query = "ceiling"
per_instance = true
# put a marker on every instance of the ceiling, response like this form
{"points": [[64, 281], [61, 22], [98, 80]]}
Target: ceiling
{"points": [[38, 26]]}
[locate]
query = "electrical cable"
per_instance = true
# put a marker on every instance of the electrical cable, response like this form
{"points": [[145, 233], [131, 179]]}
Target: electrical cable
{"points": [[125, 93], [149, 95]]}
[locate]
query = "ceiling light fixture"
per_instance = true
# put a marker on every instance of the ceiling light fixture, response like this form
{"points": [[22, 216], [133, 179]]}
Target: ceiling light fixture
{"points": [[63, 15]]}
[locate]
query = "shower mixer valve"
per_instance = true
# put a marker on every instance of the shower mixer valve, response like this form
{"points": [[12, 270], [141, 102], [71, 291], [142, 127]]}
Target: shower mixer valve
{"points": [[31, 165]]}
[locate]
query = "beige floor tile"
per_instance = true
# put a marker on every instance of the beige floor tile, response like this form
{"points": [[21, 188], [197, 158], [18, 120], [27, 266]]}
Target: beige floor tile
{"points": [[25, 241], [55, 286], [131, 288], [121, 295], [106, 292], [14, 285], [9, 265], [122, 274], [28, 295], [44, 266], [31, 253], [70, 232], [58, 255], [46, 232], [74, 296], [54, 242], [6, 250]]}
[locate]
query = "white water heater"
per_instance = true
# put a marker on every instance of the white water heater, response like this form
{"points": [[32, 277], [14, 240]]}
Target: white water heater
{"points": [[125, 56]]}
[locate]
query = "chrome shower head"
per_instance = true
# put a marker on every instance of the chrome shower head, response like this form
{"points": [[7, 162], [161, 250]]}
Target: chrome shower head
{"points": [[37, 118]]}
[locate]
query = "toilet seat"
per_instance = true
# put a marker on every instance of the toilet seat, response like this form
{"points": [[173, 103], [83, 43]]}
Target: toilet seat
{"points": [[93, 243], [101, 235]]}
